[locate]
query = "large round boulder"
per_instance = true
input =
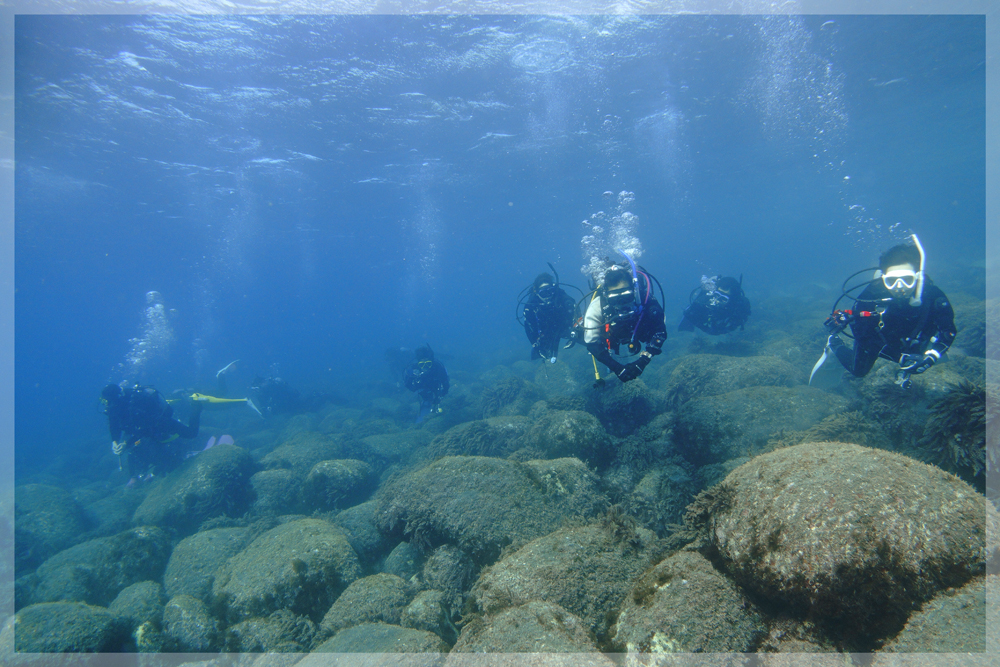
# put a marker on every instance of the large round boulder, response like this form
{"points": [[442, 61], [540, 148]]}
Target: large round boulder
{"points": [[379, 598], [585, 570], [562, 433], [482, 504], [46, 520], [301, 566], [683, 605], [193, 562], [713, 429], [852, 535], [697, 375], [69, 627], [214, 483], [337, 484]]}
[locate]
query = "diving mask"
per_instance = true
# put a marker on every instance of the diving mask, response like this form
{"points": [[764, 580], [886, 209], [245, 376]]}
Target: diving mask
{"points": [[899, 280]]}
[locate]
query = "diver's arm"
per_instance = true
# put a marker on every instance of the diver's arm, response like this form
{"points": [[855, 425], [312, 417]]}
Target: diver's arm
{"points": [[658, 335], [944, 318]]}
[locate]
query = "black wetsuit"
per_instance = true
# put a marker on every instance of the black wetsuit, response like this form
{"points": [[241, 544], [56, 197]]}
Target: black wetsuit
{"points": [[546, 322], [429, 378], [892, 327], [645, 326], [142, 418], [718, 318]]}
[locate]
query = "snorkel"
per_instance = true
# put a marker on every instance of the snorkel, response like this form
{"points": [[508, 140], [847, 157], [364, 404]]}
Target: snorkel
{"points": [[917, 298]]}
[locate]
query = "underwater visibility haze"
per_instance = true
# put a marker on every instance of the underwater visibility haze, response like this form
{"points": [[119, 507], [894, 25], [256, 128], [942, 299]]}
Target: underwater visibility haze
{"points": [[304, 193]]}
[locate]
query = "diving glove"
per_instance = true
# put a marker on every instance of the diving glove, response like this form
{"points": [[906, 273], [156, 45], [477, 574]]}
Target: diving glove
{"points": [[915, 364], [837, 322], [118, 447]]}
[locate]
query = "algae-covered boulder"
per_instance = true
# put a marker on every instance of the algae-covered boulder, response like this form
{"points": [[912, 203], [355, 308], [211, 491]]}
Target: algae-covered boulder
{"points": [[359, 524], [428, 611], [713, 429], [301, 566], [396, 447], [697, 375], [480, 504], [661, 496], [852, 535], [379, 598], [377, 638], [496, 436], [337, 484], [683, 605], [188, 623], [624, 407], [507, 397], [275, 492], [450, 570], [97, 570], [562, 433], [193, 562], [405, 561], [46, 520], [538, 627], [304, 450], [69, 627], [281, 632], [586, 571], [952, 622], [214, 483], [140, 603]]}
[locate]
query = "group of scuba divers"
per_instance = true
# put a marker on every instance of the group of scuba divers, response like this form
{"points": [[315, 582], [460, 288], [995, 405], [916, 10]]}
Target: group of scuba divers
{"points": [[899, 315]]}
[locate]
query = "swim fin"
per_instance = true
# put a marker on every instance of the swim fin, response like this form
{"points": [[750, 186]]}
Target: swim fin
{"points": [[822, 360]]}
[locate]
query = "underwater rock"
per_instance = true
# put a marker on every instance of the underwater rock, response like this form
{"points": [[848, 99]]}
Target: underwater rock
{"points": [[661, 496], [214, 483], [379, 598], [559, 379], [193, 562], [954, 621], [697, 375], [281, 632], [854, 536], [449, 570], [557, 434], [405, 561], [713, 429], [536, 627], [378, 638], [276, 492], [624, 407], [683, 605], [390, 448], [187, 622], [140, 603], [302, 566], [496, 436], [337, 484], [507, 397], [301, 452], [482, 504], [970, 320], [112, 513], [69, 627], [428, 612], [586, 570], [46, 520], [358, 523], [97, 570]]}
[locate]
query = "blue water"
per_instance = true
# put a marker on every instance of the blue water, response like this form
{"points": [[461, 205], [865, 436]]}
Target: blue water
{"points": [[308, 191]]}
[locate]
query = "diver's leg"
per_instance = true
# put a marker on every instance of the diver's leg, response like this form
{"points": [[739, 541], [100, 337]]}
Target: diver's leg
{"points": [[193, 425]]}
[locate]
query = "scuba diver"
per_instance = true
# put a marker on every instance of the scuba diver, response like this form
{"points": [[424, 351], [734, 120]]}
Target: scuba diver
{"points": [[428, 378], [900, 316], [547, 314], [273, 395], [141, 422], [718, 306], [624, 312]]}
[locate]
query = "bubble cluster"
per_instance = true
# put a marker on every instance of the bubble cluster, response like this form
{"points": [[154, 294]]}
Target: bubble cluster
{"points": [[155, 340], [609, 233]]}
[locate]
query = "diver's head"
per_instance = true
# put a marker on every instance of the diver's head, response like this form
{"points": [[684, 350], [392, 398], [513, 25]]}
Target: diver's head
{"points": [[619, 295], [544, 286], [110, 395], [424, 353], [898, 268], [728, 286]]}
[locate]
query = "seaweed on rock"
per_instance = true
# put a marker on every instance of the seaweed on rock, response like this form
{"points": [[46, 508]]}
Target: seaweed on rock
{"points": [[954, 436]]}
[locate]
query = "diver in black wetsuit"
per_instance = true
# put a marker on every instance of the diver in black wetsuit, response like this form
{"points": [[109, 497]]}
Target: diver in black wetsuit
{"points": [[141, 422], [900, 316], [273, 395], [549, 315], [429, 378], [624, 312], [718, 306]]}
